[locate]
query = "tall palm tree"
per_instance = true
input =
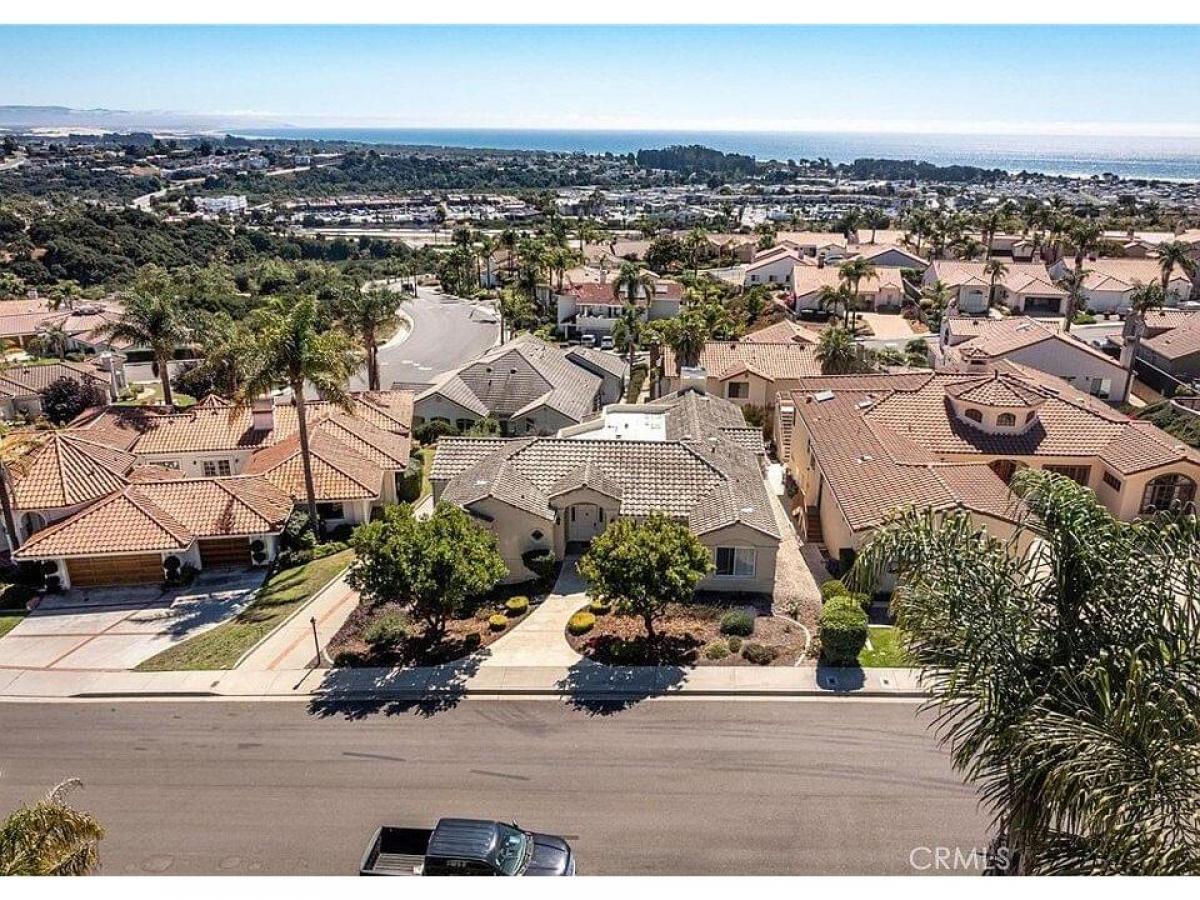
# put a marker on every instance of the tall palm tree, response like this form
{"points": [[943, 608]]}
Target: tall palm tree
{"points": [[1062, 670], [52, 339], [631, 281], [852, 273], [291, 350], [50, 838], [939, 295], [225, 344], [627, 330], [875, 220], [695, 242], [487, 251], [1171, 256], [832, 299], [364, 313], [1073, 282], [836, 351], [152, 318], [995, 270], [1142, 299], [1084, 236], [686, 335]]}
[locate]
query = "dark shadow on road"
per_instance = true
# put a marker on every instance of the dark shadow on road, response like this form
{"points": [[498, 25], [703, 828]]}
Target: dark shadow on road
{"points": [[602, 690], [361, 693], [840, 679]]}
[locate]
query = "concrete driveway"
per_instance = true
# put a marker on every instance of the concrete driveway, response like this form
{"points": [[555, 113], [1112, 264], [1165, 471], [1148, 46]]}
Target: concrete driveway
{"points": [[117, 628]]}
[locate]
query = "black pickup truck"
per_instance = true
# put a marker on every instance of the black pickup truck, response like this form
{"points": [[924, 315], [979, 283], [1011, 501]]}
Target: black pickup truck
{"points": [[466, 847]]}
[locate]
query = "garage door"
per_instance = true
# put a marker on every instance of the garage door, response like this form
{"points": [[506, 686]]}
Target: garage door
{"points": [[224, 552], [142, 568]]}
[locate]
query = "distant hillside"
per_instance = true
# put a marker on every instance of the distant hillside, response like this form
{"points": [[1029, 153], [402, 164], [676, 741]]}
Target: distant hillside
{"points": [[64, 117]]}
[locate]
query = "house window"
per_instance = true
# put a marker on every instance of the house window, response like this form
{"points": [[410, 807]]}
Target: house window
{"points": [[1101, 387], [463, 424], [1112, 481], [215, 467], [331, 511], [1078, 474], [1005, 469], [1166, 491], [1029, 416], [974, 415], [735, 562], [738, 390], [1006, 420]]}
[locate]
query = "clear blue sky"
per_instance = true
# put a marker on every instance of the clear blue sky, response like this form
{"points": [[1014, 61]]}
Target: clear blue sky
{"points": [[936, 78]]}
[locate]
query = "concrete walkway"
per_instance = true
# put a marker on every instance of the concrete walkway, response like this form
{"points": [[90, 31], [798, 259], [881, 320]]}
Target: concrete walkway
{"points": [[540, 640], [290, 646]]}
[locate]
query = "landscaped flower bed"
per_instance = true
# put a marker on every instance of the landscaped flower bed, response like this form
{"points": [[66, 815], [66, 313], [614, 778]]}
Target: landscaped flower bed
{"points": [[387, 636], [690, 635]]}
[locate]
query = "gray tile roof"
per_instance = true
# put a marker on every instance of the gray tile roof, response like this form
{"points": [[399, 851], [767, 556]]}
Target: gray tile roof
{"points": [[519, 377]]}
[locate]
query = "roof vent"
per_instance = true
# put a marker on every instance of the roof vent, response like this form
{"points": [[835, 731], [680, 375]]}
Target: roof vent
{"points": [[864, 403], [822, 396], [866, 457]]}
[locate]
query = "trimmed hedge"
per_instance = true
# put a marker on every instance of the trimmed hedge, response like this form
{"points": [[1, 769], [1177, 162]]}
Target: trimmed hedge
{"points": [[581, 623], [716, 650], [842, 627], [834, 587], [498, 622], [739, 622], [517, 606], [735, 644], [386, 631], [541, 563], [600, 607]]}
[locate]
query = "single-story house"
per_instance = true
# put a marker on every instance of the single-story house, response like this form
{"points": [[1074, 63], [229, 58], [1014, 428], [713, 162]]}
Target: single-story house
{"points": [[1025, 287], [1108, 284], [611, 368], [746, 372], [882, 291]]}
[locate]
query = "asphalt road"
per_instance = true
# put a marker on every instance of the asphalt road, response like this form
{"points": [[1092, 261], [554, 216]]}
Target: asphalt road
{"points": [[447, 332], [668, 787]]}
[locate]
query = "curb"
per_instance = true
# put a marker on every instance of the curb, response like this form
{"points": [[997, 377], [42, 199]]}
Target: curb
{"points": [[351, 696]]}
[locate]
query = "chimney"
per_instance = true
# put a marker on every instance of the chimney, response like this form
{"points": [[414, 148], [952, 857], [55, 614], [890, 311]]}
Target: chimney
{"points": [[821, 260], [262, 414]]}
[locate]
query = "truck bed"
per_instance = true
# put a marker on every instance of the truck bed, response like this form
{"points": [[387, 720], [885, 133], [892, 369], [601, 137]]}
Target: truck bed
{"points": [[396, 851]]}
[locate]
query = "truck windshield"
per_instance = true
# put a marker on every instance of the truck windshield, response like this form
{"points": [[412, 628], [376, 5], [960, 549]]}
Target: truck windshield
{"points": [[512, 850]]}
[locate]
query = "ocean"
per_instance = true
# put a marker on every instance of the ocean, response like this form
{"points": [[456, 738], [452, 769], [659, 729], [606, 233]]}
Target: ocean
{"points": [[1171, 158]]}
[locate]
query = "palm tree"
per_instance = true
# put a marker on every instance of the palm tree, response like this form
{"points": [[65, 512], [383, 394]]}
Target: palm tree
{"points": [[516, 311], [225, 344], [686, 335], [831, 299], [50, 838], [632, 280], [695, 242], [292, 350], [1142, 299], [852, 272], [587, 231], [152, 318], [364, 313], [837, 352], [875, 219], [995, 270], [627, 330], [938, 296], [1061, 667], [52, 340], [487, 250], [1171, 256], [1084, 236]]}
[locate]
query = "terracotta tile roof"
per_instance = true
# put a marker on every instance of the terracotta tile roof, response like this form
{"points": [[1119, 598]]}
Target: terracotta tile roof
{"points": [[518, 377], [1021, 278], [810, 279], [339, 472], [996, 389], [115, 426], [141, 474], [1122, 273], [26, 381], [164, 516], [726, 359], [593, 359], [1178, 342], [64, 470], [780, 333], [604, 293]]}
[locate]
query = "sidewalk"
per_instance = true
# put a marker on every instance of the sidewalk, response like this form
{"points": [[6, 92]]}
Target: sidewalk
{"points": [[290, 646]]}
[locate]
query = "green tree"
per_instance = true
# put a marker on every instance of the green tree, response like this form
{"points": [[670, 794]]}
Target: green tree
{"points": [[1172, 256], [438, 566], [364, 313], [225, 346], [50, 838], [152, 318], [836, 351], [627, 330], [290, 350], [52, 340], [516, 310], [641, 567], [65, 398], [632, 280], [852, 273], [1142, 299], [686, 335], [994, 269], [1084, 236], [1063, 675]]}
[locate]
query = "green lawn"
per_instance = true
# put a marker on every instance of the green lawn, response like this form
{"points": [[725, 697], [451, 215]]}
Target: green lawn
{"points": [[9, 621], [151, 393], [222, 646], [885, 649]]}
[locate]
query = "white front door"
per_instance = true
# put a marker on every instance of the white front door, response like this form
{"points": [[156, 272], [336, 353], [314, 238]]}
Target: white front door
{"points": [[584, 522]]}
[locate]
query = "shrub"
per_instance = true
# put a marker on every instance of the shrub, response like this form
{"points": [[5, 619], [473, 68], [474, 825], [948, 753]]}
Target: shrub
{"points": [[842, 627], [759, 654], [258, 552], [600, 607], [471, 642], [297, 534], [429, 432], [739, 622], [541, 563], [340, 533], [735, 644], [386, 631], [834, 587], [716, 650], [581, 623], [517, 606], [498, 622], [863, 600]]}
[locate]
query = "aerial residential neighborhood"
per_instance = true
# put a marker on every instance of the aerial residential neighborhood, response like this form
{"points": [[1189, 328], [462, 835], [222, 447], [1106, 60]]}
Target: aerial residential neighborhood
{"points": [[419, 500]]}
